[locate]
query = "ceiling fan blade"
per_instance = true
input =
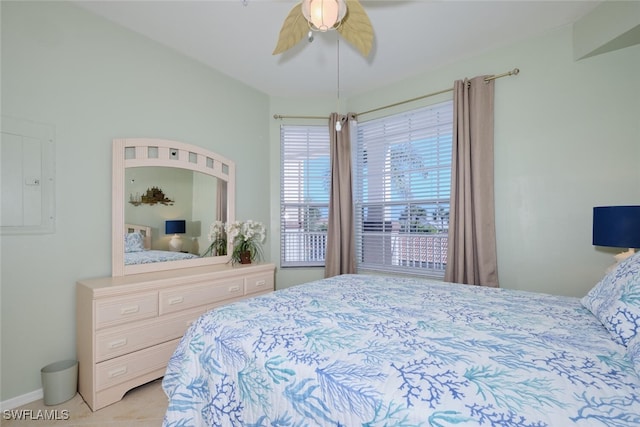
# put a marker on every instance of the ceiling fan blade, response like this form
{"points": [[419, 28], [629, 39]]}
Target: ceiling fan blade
{"points": [[293, 30], [356, 28]]}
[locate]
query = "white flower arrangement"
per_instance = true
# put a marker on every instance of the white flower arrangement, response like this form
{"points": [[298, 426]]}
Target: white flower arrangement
{"points": [[246, 237]]}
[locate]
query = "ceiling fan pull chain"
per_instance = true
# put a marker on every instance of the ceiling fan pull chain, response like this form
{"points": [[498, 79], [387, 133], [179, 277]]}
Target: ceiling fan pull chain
{"points": [[339, 120]]}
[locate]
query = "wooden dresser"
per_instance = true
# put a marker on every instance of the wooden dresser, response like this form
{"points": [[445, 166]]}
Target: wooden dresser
{"points": [[128, 327]]}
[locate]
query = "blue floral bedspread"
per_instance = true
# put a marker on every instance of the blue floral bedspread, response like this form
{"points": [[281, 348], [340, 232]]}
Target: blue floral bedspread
{"points": [[148, 256], [359, 350]]}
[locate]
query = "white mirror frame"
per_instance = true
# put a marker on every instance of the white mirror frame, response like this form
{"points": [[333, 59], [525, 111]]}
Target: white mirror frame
{"points": [[167, 154]]}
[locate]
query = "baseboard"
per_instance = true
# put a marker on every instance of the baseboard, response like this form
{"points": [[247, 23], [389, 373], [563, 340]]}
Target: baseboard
{"points": [[21, 400]]}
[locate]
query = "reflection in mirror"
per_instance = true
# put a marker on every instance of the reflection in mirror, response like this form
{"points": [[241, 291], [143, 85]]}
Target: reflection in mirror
{"points": [[194, 197], [166, 194]]}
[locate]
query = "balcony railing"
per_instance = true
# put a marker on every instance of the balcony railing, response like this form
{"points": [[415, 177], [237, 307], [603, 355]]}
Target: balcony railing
{"points": [[417, 250], [304, 247], [422, 249]]}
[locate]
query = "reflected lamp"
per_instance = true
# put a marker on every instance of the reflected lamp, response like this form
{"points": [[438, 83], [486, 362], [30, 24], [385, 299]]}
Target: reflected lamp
{"points": [[175, 227]]}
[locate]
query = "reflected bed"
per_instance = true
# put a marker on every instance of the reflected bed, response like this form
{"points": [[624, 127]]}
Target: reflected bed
{"points": [[359, 350], [137, 248]]}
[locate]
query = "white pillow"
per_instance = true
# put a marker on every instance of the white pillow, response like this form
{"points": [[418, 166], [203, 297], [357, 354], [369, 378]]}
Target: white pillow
{"points": [[615, 300], [633, 352]]}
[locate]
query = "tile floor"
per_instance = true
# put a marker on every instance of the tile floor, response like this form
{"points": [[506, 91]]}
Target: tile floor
{"points": [[143, 406]]}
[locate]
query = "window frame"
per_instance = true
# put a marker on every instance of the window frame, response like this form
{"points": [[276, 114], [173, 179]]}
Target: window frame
{"points": [[307, 249], [410, 246]]}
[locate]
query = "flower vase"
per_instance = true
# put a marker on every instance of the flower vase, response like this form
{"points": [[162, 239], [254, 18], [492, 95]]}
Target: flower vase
{"points": [[245, 257]]}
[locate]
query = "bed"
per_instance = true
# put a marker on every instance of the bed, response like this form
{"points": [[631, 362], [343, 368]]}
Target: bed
{"points": [[361, 350], [137, 247]]}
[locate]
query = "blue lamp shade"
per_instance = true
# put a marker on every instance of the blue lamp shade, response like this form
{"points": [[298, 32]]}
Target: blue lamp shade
{"points": [[616, 226], [176, 226]]}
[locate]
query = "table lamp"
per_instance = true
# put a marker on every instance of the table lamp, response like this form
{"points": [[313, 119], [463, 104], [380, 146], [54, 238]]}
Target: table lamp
{"points": [[618, 227], [175, 227]]}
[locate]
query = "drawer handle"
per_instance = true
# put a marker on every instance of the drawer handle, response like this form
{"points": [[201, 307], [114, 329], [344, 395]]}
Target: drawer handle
{"points": [[118, 343], [261, 283], [234, 288], [176, 300], [130, 310], [118, 372]]}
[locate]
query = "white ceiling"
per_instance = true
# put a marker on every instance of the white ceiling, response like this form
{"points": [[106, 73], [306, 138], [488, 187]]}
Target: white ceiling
{"points": [[237, 37]]}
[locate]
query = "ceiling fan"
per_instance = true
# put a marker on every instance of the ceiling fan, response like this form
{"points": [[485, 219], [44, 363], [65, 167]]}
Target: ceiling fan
{"points": [[347, 17]]}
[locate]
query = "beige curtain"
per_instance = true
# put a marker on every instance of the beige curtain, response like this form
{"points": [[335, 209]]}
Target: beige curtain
{"points": [[340, 250], [471, 255]]}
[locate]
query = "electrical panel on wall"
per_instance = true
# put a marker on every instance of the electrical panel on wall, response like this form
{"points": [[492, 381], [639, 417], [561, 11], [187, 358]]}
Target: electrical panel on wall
{"points": [[27, 158]]}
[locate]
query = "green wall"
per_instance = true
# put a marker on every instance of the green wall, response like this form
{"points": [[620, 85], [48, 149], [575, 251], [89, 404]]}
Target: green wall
{"points": [[567, 139], [94, 81]]}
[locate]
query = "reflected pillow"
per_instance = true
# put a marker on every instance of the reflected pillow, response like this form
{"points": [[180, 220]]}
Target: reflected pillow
{"points": [[133, 242], [615, 300]]}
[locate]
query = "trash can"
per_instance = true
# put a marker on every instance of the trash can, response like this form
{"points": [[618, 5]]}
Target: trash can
{"points": [[59, 381]]}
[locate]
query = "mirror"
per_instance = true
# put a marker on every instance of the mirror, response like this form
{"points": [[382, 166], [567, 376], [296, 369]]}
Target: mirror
{"points": [[166, 194]]}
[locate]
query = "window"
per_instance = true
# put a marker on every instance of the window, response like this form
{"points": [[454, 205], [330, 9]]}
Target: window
{"points": [[304, 195], [402, 191]]}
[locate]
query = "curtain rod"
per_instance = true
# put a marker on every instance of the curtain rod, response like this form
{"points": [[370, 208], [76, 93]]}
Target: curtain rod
{"points": [[513, 72]]}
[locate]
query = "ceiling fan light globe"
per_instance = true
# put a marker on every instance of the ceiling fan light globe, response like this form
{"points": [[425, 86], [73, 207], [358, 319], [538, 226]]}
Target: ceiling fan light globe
{"points": [[324, 15]]}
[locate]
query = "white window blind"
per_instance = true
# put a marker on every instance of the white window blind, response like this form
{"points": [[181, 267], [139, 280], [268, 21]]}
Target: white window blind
{"points": [[402, 186], [304, 195]]}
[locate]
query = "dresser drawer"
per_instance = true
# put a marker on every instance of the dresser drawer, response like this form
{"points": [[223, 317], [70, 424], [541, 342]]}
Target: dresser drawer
{"points": [[125, 339], [258, 283], [115, 311], [130, 366], [203, 294]]}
